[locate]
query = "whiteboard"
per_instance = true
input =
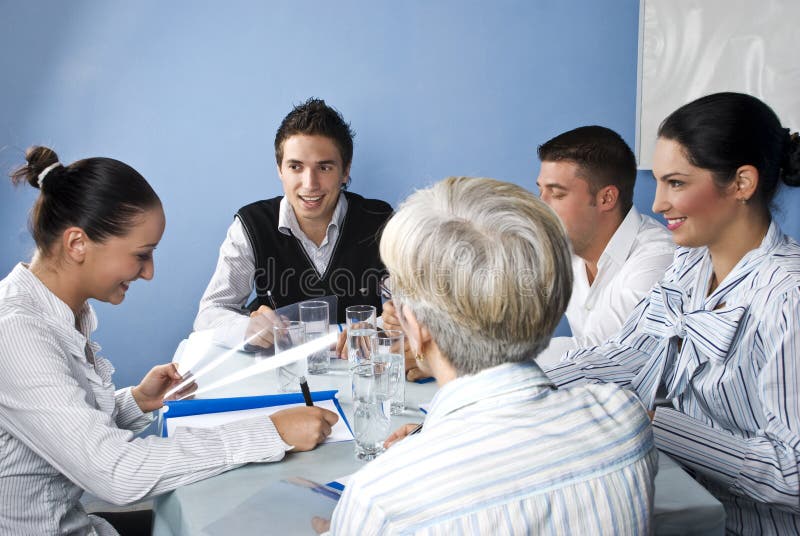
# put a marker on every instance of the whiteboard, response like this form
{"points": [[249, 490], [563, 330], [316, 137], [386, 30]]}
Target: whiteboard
{"points": [[690, 48]]}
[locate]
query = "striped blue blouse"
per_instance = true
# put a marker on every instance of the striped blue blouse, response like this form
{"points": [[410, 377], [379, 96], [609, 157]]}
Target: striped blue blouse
{"points": [[504, 453], [730, 364]]}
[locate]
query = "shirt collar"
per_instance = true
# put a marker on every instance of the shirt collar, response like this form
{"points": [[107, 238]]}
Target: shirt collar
{"points": [[52, 307], [288, 224], [499, 383], [623, 239]]}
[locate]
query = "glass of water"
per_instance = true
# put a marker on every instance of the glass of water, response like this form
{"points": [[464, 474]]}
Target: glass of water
{"points": [[361, 329], [287, 336], [388, 348], [314, 315], [371, 417]]}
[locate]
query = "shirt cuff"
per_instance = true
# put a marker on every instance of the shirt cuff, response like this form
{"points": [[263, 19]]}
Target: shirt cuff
{"points": [[252, 440], [129, 415], [715, 453]]}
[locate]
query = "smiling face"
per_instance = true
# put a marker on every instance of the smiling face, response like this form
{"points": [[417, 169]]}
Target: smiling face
{"points": [[312, 174], [110, 266], [698, 212], [564, 191]]}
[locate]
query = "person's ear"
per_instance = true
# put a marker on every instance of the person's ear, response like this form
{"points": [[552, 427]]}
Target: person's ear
{"points": [[607, 198], [745, 183], [346, 179], [417, 334], [75, 244]]}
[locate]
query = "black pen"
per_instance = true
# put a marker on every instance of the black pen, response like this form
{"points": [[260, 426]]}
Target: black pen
{"points": [[416, 430], [306, 391], [271, 301]]}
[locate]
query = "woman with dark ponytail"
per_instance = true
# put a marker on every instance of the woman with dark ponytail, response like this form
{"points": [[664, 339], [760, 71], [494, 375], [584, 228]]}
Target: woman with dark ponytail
{"points": [[64, 428], [721, 331]]}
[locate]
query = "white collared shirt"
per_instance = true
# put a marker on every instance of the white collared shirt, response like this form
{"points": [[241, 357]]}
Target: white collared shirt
{"points": [[632, 262], [232, 283], [64, 428]]}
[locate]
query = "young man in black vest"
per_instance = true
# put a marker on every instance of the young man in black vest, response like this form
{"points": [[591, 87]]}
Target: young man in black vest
{"points": [[316, 240]]}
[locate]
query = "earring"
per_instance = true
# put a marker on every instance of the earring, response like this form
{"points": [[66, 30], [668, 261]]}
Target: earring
{"points": [[743, 200], [419, 357]]}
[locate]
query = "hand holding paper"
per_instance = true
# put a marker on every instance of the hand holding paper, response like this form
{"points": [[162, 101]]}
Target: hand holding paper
{"points": [[153, 388]]}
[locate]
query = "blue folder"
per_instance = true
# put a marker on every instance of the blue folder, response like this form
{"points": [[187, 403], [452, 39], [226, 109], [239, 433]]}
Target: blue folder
{"points": [[182, 408]]}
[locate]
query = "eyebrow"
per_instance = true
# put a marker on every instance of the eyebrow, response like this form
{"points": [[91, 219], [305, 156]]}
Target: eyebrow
{"points": [[668, 176], [154, 245], [552, 185], [294, 161]]}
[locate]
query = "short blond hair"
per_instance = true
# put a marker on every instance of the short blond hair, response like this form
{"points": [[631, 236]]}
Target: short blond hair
{"points": [[484, 265]]}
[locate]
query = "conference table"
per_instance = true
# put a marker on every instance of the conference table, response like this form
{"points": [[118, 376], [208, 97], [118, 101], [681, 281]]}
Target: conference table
{"points": [[243, 501]]}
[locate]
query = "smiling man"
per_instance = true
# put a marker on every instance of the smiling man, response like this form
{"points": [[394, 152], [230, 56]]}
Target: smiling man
{"points": [[315, 240], [587, 178]]}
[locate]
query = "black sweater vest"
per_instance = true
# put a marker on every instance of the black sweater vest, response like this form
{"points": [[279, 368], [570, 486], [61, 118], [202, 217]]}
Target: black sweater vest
{"points": [[284, 268]]}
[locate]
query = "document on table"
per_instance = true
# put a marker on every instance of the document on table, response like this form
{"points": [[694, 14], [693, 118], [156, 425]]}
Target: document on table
{"points": [[340, 431]]}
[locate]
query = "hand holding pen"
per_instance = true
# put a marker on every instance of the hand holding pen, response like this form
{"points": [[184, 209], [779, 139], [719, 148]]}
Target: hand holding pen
{"points": [[402, 432], [259, 328]]}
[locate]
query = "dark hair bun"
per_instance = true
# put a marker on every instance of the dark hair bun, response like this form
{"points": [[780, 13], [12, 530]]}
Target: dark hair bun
{"points": [[790, 170], [38, 158]]}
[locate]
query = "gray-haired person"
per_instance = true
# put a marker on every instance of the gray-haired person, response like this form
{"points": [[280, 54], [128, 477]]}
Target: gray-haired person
{"points": [[481, 275]]}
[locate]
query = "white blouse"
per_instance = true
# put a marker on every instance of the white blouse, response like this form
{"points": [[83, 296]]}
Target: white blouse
{"points": [[64, 428]]}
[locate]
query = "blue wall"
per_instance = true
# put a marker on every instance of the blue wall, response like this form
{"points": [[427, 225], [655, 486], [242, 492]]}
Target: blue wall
{"points": [[190, 94]]}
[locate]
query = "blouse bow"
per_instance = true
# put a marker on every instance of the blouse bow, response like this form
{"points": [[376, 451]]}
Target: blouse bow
{"points": [[705, 335]]}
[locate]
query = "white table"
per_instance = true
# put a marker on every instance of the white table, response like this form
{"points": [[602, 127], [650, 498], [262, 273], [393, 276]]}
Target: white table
{"points": [[682, 506]]}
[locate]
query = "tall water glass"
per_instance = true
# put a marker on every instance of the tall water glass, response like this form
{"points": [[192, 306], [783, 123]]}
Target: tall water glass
{"points": [[361, 329], [287, 336], [371, 418], [314, 315], [389, 349]]}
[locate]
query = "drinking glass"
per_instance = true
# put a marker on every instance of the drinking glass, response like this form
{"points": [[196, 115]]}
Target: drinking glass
{"points": [[388, 348], [287, 336], [314, 315], [361, 329], [371, 400]]}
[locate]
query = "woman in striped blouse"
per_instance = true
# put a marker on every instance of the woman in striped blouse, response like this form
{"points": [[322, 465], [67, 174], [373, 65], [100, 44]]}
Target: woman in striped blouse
{"points": [[721, 331], [63, 427]]}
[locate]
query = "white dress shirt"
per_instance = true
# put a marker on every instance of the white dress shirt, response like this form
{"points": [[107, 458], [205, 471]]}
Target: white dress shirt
{"points": [[632, 262], [231, 285], [503, 453], [730, 364], [64, 428]]}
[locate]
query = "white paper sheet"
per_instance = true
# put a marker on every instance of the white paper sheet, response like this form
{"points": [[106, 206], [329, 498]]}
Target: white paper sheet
{"points": [[340, 432]]}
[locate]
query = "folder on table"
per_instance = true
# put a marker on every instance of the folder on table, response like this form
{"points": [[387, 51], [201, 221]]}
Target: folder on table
{"points": [[208, 412]]}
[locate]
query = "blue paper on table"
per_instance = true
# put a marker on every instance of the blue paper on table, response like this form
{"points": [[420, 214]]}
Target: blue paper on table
{"points": [[203, 406]]}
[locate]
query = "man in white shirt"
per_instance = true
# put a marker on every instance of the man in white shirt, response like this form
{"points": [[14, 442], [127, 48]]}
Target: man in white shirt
{"points": [[317, 240], [587, 177]]}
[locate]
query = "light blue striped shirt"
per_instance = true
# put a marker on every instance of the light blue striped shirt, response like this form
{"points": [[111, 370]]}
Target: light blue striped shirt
{"points": [[730, 363], [504, 453]]}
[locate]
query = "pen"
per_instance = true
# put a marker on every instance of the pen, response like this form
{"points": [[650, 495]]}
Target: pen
{"points": [[271, 301], [416, 430], [385, 290], [306, 392]]}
